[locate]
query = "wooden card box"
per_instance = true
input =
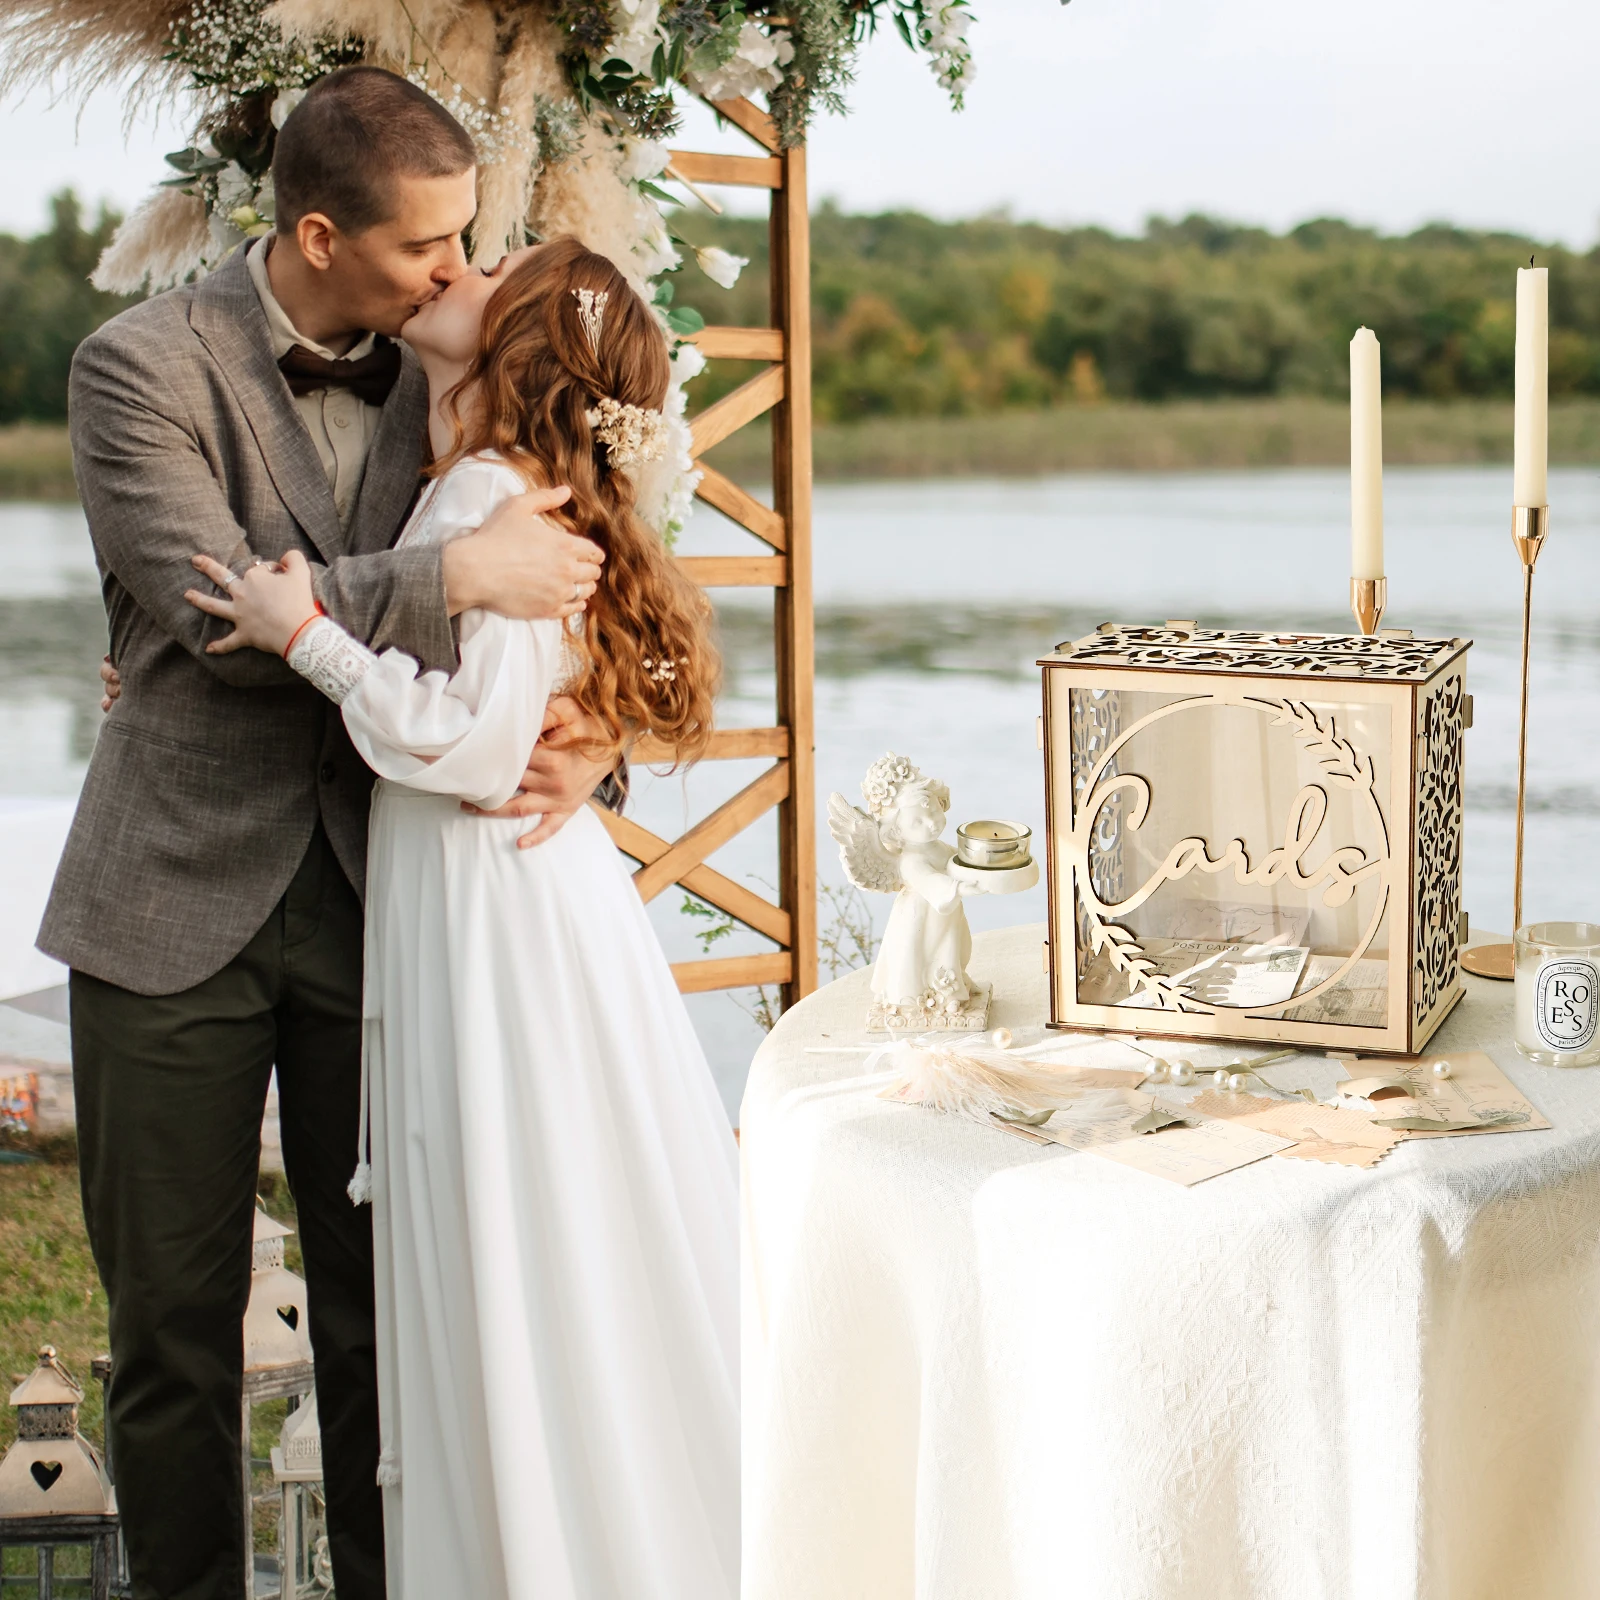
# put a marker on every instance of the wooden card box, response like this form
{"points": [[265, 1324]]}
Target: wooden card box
{"points": [[1254, 835]]}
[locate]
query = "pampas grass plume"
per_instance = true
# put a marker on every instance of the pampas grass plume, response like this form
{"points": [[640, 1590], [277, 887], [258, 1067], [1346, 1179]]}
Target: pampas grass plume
{"points": [[159, 245], [970, 1085]]}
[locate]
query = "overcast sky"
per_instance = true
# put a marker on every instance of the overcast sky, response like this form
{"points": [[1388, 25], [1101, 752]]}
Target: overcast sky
{"points": [[1389, 112]]}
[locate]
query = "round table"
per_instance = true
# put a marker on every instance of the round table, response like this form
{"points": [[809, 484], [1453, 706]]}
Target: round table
{"points": [[977, 1369]]}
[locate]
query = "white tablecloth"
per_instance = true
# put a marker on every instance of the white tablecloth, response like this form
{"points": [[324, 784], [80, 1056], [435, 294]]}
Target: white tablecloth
{"points": [[980, 1370]]}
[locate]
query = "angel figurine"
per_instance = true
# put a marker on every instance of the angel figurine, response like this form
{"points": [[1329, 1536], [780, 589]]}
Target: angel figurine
{"points": [[894, 847]]}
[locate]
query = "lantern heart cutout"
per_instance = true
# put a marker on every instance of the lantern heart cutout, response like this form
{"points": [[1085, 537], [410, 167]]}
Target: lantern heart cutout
{"points": [[45, 1473], [290, 1314]]}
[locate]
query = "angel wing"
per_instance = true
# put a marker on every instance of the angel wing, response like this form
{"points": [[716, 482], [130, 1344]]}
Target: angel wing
{"points": [[866, 863]]}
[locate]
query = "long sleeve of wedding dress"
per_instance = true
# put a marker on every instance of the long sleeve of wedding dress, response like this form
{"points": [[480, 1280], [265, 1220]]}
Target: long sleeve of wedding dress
{"points": [[468, 734]]}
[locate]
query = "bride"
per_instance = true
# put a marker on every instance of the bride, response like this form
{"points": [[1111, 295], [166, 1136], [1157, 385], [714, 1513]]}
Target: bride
{"points": [[554, 1181]]}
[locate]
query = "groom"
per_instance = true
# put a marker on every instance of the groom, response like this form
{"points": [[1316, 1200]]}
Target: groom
{"points": [[208, 898]]}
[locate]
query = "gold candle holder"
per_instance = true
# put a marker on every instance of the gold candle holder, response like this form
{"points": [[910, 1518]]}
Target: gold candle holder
{"points": [[1369, 598], [1529, 525]]}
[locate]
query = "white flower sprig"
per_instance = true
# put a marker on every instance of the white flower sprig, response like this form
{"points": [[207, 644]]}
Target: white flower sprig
{"points": [[943, 34]]}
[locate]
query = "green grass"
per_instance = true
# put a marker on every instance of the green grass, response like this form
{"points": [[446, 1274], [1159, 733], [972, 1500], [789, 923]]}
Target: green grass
{"points": [[1187, 436], [51, 1294], [36, 463]]}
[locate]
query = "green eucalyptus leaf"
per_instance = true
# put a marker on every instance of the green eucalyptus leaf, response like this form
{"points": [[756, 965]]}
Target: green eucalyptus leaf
{"points": [[685, 320]]}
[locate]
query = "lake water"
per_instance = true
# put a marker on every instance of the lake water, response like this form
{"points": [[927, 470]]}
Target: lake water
{"points": [[934, 601]]}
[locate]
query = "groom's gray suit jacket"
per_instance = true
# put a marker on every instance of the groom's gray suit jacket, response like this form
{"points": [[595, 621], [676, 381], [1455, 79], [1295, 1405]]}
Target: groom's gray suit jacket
{"points": [[211, 771]]}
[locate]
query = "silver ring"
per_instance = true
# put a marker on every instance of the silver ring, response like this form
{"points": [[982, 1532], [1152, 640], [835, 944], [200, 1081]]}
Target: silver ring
{"points": [[233, 578], [577, 593]]}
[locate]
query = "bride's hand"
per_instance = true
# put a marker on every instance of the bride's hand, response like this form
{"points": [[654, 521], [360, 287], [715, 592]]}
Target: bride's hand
{"points": [[266, 604]]}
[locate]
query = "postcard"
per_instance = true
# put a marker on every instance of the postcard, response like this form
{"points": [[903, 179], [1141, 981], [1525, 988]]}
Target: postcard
{"points": [[1359, 1000], [1477, 1097], [1241, 976], [1104, 1116], [1325, 1133], [1191, 1155], [1233, 922]]}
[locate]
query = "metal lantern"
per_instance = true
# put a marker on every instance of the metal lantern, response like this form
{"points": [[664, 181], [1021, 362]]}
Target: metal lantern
{"points": [[277, 1354], [1255, 835], [304, 1566], [277, 1326], [53, 1486]]}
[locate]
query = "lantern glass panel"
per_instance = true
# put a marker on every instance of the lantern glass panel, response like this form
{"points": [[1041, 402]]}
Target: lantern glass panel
{"points": [[1237, 840]]}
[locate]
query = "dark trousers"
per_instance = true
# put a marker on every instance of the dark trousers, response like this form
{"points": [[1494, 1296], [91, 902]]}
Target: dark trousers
{"points": [[170, 1092]]}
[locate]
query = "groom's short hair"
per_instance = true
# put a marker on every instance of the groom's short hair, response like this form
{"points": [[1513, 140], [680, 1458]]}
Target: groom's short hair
{"points": [[357, 131]]}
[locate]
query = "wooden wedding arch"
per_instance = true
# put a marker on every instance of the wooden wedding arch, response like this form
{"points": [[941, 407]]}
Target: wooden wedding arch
{"points": [[782, 388]]}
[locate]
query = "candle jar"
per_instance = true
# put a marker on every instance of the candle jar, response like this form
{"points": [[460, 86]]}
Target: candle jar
{"points": [[1557, 978]]}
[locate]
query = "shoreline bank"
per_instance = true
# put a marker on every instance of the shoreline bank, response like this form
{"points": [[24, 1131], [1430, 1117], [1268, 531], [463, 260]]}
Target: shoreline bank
{"points": [[1186, 436]]}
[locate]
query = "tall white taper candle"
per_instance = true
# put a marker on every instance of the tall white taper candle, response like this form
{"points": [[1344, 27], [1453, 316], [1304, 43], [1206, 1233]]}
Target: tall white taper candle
{"points": [[1531, 472], [1366, 457]]}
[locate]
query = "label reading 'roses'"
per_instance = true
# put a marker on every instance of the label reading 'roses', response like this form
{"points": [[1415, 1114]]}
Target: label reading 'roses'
{"points": [[1564, 1002]]}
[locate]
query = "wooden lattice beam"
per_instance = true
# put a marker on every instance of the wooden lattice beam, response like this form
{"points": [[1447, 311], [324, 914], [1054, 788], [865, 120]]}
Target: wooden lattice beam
{"points": [[783, 391]]}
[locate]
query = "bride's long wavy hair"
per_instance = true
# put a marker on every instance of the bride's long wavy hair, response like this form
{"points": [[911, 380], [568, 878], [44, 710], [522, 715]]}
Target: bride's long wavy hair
{"points": [[534, 379]]}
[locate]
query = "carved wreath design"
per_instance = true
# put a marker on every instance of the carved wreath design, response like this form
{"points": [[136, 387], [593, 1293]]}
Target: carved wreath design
{"points": [[1338, 761]]}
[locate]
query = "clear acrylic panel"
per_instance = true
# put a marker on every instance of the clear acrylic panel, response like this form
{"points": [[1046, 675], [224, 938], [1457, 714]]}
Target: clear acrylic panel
{"points": [[1231, 852]]}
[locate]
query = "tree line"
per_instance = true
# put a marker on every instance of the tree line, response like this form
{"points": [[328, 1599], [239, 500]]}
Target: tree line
{"points": [[916, 317]]}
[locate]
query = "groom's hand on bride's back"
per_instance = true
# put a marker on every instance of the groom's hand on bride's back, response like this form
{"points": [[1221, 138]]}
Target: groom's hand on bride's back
{"points": [[522, 563], [560, 777]]}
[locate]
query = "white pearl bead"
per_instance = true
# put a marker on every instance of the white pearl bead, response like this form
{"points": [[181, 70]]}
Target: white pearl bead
{"points": [[1237, 1080], [1183, 1072], [1220, 1077], [1441, 1069], [1001, 1038], [1158, 1069]]}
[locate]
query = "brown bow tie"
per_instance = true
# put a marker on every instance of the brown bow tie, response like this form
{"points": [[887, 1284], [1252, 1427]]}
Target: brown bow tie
{"points": [[368, 378]]}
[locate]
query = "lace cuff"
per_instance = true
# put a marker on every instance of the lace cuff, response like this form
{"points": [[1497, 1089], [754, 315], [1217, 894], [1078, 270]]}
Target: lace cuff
{"points": [[330, 659]]}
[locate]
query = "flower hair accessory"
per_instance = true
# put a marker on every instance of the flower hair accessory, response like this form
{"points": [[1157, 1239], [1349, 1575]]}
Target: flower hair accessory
{"points": [[592, 314], [630, 433], [664, 670]]}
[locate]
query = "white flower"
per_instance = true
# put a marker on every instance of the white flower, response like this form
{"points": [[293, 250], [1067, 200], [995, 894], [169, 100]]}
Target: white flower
{"points": [[284, 104], [643, 158], [688, 361], [665, 488], [720, 266], [267, 200], [636, 44], [755, 66]]}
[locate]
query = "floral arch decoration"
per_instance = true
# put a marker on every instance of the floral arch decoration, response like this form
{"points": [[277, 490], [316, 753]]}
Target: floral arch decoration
{"points": [[569, 103]]}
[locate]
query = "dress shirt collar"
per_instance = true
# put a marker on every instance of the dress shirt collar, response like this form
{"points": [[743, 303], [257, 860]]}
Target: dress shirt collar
{"points": [[284, 333]]}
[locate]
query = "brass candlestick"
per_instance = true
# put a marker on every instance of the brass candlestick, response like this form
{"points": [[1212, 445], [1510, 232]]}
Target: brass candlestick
{"points": [[1529, 525], [1369, 598]]}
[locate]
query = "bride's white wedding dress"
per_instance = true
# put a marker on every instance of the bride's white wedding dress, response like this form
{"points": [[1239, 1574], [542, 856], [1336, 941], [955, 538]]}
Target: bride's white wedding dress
{"points": [[554, 1180]]}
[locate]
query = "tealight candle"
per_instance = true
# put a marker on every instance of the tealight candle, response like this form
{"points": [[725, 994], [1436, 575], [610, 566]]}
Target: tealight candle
{"points": [[993, 844]]}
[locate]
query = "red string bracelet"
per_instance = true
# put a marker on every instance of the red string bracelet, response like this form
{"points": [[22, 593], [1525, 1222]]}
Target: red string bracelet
{"points": [[319, 612]]}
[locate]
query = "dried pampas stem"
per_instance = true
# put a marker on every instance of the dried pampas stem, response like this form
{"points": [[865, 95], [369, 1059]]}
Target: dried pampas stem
{"points": [[505, 188], [158, 246], [79, 45], [969, 1085]]}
